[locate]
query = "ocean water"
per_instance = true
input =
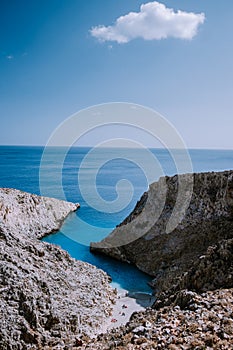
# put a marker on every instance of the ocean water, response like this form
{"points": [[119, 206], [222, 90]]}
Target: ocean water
{"points": [[94, 179]]}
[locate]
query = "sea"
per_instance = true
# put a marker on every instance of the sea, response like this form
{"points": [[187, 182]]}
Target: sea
{"points": [[107, 182]]}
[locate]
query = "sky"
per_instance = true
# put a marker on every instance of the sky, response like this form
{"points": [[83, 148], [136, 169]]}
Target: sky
{"points": [[174, 56]]}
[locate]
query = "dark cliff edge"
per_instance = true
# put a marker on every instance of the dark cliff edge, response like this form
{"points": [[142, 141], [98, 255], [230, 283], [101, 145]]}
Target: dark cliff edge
{"points": [[208, 220], [192, 268]]}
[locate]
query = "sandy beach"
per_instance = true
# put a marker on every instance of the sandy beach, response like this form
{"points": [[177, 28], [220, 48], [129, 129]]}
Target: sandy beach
{"points": [[126, 305]]}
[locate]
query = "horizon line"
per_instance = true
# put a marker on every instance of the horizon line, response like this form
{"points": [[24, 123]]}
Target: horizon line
{"points": [[103, 147]]}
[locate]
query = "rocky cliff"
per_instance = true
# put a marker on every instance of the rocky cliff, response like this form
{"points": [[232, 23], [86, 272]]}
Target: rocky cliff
{"points": [[32, 215], [47, 299], [193, 266], [182, 318], [167, 256]]}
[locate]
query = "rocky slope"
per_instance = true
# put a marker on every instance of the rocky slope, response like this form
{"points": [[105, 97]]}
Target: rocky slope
{"points": [[182, 319], [47, 299], [193, 269], [167, 256], [209, 272], [192, 322]]}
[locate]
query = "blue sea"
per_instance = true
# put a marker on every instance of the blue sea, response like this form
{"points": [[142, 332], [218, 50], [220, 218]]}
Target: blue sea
{"points": [[107, 183]]}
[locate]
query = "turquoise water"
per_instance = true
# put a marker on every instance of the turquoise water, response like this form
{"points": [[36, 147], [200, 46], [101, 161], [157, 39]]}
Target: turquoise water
{"points": [[19, 168]]}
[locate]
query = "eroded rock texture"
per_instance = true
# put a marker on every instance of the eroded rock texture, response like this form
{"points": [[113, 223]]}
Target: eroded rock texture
{"points": [[47, 299], [167, 256], [32, 215]]}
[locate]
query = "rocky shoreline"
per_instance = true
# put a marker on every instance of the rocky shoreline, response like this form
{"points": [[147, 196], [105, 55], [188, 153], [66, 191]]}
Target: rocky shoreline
{"points": [[192, 268], [32, 215], [167, 256], [51, 301], [47, 299]]}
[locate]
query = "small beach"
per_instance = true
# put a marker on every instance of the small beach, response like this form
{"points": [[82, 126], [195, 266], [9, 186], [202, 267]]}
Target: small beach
{"points": [[125, 306]]}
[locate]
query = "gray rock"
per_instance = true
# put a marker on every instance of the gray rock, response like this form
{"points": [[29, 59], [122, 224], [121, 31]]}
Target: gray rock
{"points": [[47, 299], [139, 330], [33, 215]]}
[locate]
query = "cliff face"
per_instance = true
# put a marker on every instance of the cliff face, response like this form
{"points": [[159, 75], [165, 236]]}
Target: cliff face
{"points": [[167, 256], [209, 272], [47, 299], [33, 215]]}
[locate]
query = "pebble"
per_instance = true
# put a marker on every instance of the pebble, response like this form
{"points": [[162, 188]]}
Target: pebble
{"points": [[139, 329]]}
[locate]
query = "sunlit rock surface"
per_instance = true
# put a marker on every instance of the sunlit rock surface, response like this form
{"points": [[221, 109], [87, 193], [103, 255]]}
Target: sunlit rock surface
{"points": [[47, 299]]}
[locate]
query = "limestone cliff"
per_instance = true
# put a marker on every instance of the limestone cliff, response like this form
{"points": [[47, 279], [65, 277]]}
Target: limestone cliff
{"points": [[167, 256], [33, 215], [47, 299]]}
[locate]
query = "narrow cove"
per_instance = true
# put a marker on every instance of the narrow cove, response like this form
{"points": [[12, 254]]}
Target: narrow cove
{"points": [[124, 276]]}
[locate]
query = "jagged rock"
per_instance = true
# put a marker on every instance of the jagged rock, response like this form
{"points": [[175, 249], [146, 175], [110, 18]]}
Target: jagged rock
{"points": [[211, 271], [208, 220], [196, 257], [47, 299]]}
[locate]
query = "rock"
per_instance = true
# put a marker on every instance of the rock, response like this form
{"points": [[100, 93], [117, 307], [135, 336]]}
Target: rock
{"points": [[34, 215], [147, 325], [139, 330], [212, 271], [46, 297], [175, 328], [207, 222]]}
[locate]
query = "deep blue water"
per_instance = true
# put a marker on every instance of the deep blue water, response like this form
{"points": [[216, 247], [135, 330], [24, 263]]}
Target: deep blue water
{"points": [[19, 168]]}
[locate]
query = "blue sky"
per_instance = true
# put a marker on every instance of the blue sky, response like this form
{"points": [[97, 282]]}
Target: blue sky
{"points": [[51, 66]]}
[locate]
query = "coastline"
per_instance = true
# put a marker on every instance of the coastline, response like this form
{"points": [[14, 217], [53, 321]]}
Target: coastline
{"points": [[48, 299], [189, 307]]}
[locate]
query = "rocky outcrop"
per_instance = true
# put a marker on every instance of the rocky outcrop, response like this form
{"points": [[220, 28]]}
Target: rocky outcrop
{"points": [[33, 215], [168, 255], [182, 318], [211, 271], [47, 299]]}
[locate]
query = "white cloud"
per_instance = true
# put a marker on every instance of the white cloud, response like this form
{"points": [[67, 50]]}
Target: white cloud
{"points": [[154, 21]]}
